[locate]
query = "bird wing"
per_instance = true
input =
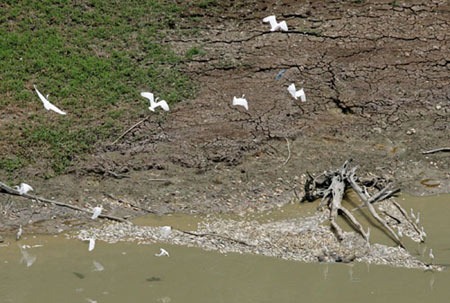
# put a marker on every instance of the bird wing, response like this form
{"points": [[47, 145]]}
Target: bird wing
{"points": [[52, 107], [283, 26], [240, 101], [91, 244], [149, 96], [272, 20], [163, 104], [301, 94], [47, 104], [292, 91], [24, 188]]}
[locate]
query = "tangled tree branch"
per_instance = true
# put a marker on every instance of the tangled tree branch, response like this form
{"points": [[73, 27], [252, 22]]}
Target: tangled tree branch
{"points": [[330, 186]]}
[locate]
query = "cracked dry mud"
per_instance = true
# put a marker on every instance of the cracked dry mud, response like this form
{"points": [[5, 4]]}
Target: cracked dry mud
{"points": [[376, 77]]}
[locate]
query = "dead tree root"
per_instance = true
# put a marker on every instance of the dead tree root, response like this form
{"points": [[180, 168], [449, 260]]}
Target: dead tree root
{"points": [[331, 186]]}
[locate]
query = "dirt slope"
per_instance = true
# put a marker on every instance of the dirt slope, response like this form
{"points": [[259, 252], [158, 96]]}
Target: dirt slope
{"points": [[376, 76]]}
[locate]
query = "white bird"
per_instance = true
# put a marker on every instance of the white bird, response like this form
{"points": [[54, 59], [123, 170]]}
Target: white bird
{"points": [[412, 214], [163, 252], [165, 231], [418, 218], [23, 188], [400, 234], [431, 254], [154, 103], [19, 233], [91, 244], [423, 232], [282, 26], [47, 104], [240, 101], [96, 212], [297, 93], [98, 266]]}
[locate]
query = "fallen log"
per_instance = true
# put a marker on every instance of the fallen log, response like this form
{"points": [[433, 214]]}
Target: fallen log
{"points": [[331, 186], [11, 191]]}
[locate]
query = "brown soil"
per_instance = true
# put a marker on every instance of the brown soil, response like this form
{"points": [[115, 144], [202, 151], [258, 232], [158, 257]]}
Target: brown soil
{"points": [[376, 77]]}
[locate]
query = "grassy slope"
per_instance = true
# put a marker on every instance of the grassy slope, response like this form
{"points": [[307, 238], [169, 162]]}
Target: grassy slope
{"points": [[93, 58]]}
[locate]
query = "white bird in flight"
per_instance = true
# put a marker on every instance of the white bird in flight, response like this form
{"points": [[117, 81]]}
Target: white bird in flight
{"points": [[23, 188], [47, 104], [91, 244], [276, 25], [154, 103], [96, 212], [163, 252], [240, 101], [297, 93]]}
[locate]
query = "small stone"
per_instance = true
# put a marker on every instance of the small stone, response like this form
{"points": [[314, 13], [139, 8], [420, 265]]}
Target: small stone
{"points": [[411, 131]]}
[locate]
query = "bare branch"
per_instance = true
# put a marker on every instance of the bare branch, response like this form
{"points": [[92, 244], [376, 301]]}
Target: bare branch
{"points": [[11, 191]]}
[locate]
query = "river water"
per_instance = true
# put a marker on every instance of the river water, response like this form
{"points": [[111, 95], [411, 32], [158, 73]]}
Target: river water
{"points": [[63, 270]]}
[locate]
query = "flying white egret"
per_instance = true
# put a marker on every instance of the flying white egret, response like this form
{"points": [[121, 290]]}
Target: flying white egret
{"points": [[98, 266], [165, 231], [47, 104], [163, 252], [154, 103], [297, 93], [19, 233], [23, 188], [240, 101], [96, 212], [274, 25], [91, 244]]}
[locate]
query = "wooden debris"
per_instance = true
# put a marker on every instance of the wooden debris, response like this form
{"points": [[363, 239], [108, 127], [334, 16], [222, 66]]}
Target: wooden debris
{"points": [[437, 150], [331, 186], [11, 191]]}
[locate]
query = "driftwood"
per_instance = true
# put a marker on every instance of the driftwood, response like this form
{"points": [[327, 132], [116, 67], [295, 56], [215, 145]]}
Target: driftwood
{"points": [[437, 150], [214, 235], [11, 191], [330, 186]]}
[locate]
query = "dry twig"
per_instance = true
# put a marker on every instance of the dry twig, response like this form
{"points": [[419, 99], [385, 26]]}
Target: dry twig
{"points": [[289, 151], [130, 129]]}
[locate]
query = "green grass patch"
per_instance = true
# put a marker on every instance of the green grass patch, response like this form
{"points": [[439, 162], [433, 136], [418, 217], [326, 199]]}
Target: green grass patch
{"points": [[193, 52], [93, 58]]}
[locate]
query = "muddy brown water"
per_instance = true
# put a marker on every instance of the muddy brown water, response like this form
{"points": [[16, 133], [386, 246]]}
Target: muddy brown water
{"points": [[64, 270]]}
